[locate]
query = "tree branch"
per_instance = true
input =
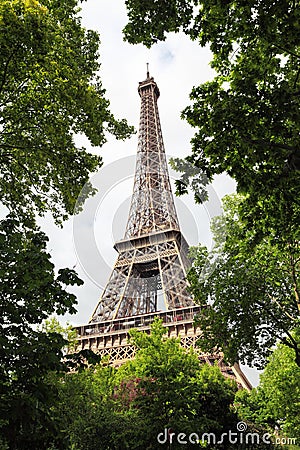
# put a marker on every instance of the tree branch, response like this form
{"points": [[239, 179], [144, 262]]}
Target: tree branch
{"points": [[296, 79], [273, 299], [295, 282], [289, 52], [6, 68], [271, 144]]}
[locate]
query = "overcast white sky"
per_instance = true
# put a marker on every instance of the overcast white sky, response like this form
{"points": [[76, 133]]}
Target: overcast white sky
{"points": [[176, 65]]}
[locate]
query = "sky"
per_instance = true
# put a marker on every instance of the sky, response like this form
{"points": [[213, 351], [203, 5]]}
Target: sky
{"points": [[86, 241]]}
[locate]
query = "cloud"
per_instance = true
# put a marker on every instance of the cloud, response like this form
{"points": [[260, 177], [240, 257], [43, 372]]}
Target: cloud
{"points": [[166, 56]]}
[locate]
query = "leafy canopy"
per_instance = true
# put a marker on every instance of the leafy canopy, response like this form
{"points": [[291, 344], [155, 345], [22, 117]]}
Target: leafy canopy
{"points": [[246, 119], [164, 386], [49, 92], [275, 402], [29, 292], [250, 294]]}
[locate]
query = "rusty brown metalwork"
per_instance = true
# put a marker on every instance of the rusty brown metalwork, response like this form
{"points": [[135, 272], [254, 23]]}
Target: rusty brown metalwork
{"points": [[149, 277], [150, 272]]}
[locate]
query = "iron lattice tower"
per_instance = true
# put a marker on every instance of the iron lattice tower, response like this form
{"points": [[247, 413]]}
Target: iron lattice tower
{"points": [[150, 272], [149, 277]]}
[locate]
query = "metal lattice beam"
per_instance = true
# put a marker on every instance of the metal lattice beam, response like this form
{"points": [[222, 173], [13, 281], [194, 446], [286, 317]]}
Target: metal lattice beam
{"points": [[152, 260], [150, 271]]}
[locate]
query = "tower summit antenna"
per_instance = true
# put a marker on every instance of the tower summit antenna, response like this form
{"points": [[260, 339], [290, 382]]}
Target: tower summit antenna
{"points": [[148, 76]]}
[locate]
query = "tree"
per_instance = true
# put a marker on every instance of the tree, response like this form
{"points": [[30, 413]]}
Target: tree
{"points": [[68, 332], [84, 410], [250, 296], [171, 390], [275, 402], [49, 93], [29, 293], [247, 118], [163, 389], [162, 395]]}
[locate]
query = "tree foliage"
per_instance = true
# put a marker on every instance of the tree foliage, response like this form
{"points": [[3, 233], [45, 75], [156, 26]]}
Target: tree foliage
{"points": [[149, 22], [163, 387], [171, 390], [49, 92], [29, 293], [250, 295], [275, 402], [247, 118]]}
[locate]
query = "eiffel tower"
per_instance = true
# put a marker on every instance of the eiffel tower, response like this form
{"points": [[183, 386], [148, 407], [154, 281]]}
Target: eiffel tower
{"points": [[149, 277]]}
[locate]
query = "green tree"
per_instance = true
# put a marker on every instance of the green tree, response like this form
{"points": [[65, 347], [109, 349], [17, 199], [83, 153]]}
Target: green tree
{"points": [[68, 332], [49, 93], [247, 118], [163, 387], [249, 292], [29, 293], [84, 410], [275, 402], [171, 390]]}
